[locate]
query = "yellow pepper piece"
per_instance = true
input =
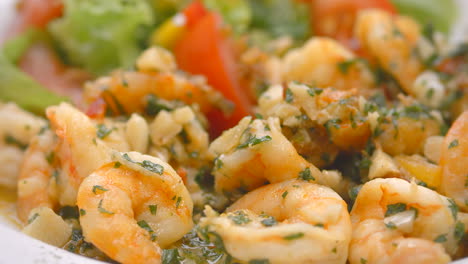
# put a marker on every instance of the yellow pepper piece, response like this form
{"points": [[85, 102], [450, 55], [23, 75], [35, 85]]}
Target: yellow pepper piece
{"points": [[421, 169], [169, 32]]}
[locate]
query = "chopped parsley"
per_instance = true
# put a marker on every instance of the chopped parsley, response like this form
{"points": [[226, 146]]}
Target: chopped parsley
{"points": [[218, 163], [50, 157], [143, 224], [102, 210], [10, 140], [344, 66], [153, 208], [459, 231], [269, 221], [146, 164], [97, 188], [154, 105], [102, 131], [294, 236], [178, 201], [117, 165], [395, 208], [82, 212], [363, 261], [453, 144], [239, 218], [170, 256], [441, 238], [32, 218], [289, 96], [284, 194], [252, 141], [453, 208], [320, 225], [259, 261], [306, 175], [314, 91], [390, 225]]}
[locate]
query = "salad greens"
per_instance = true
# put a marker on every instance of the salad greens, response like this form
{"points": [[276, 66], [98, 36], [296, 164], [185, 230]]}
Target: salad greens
{"points": [[237, 13], [440, 13], [101, 35]]}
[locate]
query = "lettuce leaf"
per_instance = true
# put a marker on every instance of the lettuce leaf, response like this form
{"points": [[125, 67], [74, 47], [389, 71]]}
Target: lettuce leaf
{"points": [[440, 13], [101, 35], [236, 13]]}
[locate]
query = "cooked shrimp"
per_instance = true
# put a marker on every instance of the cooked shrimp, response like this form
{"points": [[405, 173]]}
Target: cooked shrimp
{"points": [[255, 152], [79, 149], [454, 162], [288, 222], [324, 62], [391, 40], [395, 221], [133, 206], [35, 175], [17, 127]]}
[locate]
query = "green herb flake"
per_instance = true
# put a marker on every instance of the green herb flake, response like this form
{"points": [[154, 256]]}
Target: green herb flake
{"points": [[346, 65], [453, 144], [218, 163], [284, 194], [363, 261], [258, 116], [102, 131], [50, 157], [10, 140], [252, 141], [153, 208], [239, 218], [306, 175], [294, 236], [289, 96], [102, 210], [143, 224], [117, 165], [395, 208], [170, 256], [314, 91], [459, 231], [153, 167], [320, 225], [178, 201], [32, 218], [390, 225], [441, 238], [334, 250], [82, 212], [269, 221], [453, 208], [259, 261], [154, 105], [97, 188]]}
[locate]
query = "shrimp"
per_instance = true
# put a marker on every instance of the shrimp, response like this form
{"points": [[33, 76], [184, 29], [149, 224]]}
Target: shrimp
{"points": [[395, 221], [17, 127], [132, 207], [454, 162], [255, 152], [79, 149], [35, 175], [288, 222], [130, 91], [391, 40], [323, 62]]}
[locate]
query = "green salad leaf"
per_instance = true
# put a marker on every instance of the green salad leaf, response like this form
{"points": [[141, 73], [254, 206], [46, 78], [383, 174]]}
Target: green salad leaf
{"points": [[18, 87], [236, 13], [101, 35], [440, 13], [281, 17]]}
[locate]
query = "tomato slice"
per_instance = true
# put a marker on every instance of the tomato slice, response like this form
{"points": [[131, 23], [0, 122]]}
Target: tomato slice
{"points": [[194, 12], [35, 13], [205, 49], [335, 18], [43, 65]]}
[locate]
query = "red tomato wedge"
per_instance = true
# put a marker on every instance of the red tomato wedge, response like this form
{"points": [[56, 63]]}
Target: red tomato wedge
{"points": [[35, 13], [194, 12], [335, 18], [205, 49]]}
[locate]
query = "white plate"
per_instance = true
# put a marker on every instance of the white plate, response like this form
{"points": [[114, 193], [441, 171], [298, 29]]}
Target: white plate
{"points": [[15, 247]]}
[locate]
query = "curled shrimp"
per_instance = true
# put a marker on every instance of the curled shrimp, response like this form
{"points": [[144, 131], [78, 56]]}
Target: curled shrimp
{"points": [[395, 221], [79, 150], [132, 207], [454, 160], [391, 40], [288, 222], [35, 176], [324, 62], [255, 152]]}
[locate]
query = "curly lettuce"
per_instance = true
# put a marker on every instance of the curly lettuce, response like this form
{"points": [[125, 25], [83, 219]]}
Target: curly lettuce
{"points": [[101, 35]]}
